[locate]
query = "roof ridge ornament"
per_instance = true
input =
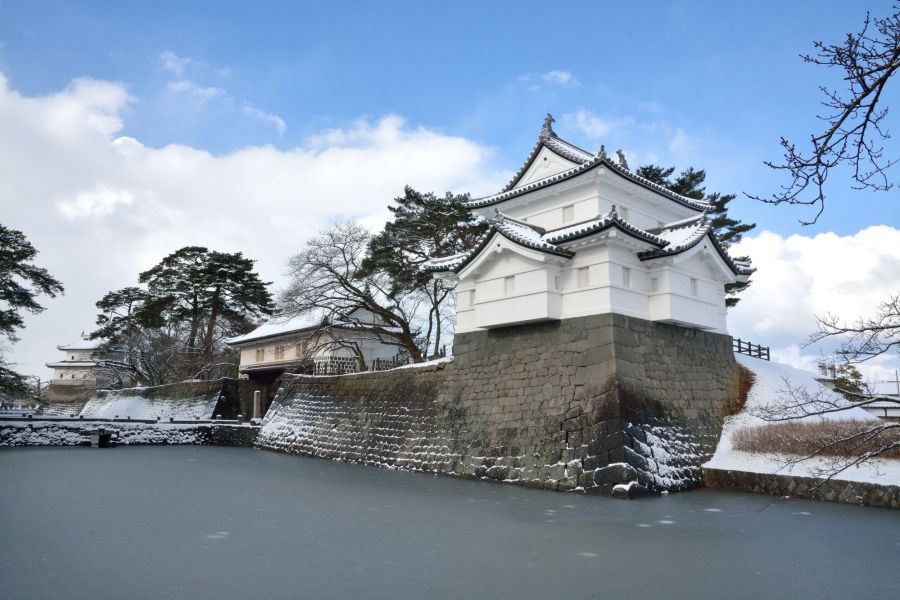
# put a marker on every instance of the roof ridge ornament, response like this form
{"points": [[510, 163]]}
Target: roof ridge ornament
{"points": [[622, 162], [602, 152], [547, 128]]}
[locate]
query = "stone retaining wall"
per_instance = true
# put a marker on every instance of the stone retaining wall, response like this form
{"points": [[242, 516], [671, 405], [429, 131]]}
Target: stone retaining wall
{"points": [[80, 432], [847, 492], [605, 404]]}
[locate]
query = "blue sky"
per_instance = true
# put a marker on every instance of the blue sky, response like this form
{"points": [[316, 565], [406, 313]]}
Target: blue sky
{"points": [[726, 74], [132, 128]]}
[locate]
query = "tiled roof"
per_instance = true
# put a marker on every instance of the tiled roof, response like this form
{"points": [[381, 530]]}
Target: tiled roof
{"points": [[536, 238], [585, 162], [684, 235], [611, 219]]}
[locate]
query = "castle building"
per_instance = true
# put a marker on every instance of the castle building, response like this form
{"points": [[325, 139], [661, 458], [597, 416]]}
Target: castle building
{"points": [[311, 344], [576, 234], [77, 375]]}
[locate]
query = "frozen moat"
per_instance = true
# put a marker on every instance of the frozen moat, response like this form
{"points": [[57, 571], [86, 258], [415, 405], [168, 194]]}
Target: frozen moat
{"points": [[213, 522]]}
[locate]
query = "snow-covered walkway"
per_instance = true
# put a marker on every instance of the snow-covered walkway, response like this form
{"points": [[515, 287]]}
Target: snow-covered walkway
{"points": [[771, 380]]}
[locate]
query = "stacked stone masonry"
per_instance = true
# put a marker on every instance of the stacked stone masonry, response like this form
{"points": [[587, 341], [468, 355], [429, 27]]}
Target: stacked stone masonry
{"points": [[830, 490], [81, 433], [602, 404]]}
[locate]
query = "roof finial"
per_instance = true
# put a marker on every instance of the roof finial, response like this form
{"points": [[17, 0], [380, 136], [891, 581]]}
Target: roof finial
{"points": [[612, 212], [622, 161], [547, 129], [602, 153]]}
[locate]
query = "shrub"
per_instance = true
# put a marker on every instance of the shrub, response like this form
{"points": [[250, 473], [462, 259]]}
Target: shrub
{"points": [[827, 438]]}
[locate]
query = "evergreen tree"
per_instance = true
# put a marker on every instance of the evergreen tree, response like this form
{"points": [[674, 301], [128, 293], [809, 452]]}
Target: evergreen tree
{"points": [[424, 226], [21, 282], [188, 296], [205, 289], [727, 230]]}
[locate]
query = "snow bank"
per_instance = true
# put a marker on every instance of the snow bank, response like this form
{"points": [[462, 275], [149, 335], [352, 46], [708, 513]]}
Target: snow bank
{"points": [[772, 380], [179, 401]]}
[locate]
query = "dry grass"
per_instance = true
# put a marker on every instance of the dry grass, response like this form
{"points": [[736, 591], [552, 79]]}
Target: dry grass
{"points": [[834, 438], [746, 379]]}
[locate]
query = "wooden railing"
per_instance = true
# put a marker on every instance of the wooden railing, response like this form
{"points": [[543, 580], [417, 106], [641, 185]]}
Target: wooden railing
{"points": [[743, 347]]}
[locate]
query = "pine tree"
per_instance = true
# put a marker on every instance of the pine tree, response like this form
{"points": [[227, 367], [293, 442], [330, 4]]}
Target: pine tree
{"points": [[424, 226], [727, 230], [21, 282], [187, 296]]}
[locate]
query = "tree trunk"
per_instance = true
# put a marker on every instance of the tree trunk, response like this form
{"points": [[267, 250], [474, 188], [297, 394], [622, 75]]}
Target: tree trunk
{"points": [[210, 327]]}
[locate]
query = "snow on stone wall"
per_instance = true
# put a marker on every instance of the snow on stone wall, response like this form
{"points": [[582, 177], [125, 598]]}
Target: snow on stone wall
{"points": [[583, 404], [180, 401], [80, 432]]}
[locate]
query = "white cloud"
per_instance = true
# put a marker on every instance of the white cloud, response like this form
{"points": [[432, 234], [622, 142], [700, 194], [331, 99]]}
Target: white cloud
{"points": [[680, 142], [174, 63], [561, 78], [799, 277], [555, 78], [273, 120], [593, 126], [100, 201], [101, 208], [198, 92]]}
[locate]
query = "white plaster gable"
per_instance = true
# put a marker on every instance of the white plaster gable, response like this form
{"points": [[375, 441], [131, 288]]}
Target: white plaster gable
{"points": [[546, 164], [702, 259], [499, 247]]}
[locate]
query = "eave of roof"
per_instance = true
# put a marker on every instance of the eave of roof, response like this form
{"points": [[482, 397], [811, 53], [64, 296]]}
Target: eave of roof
{"points": [[584, 168], [585, 229], [703, 232], [71, 364]]}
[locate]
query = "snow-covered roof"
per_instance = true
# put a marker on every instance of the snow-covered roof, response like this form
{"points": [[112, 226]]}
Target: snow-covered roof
{"points": [[585, 161], [279, 326], [677, 238], [71, 364], [884, 388], [687, 233], [81, 344]]}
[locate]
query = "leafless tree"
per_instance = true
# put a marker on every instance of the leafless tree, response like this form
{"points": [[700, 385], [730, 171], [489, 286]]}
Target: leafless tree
{"points": [[854, 118], [865, 338], [325, 279]]}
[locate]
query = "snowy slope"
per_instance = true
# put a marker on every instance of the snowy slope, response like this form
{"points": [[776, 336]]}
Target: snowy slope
{"points": [[140, 403], [771, 381]]}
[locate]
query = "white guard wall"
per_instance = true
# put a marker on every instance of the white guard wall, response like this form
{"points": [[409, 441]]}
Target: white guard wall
{"points": [[510, 287], [297, 347]]}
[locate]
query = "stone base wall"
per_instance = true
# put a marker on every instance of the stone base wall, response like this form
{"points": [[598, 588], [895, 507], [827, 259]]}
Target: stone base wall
{"points": [[604, 404], [80, 432], [67, 392], [847, 492]]}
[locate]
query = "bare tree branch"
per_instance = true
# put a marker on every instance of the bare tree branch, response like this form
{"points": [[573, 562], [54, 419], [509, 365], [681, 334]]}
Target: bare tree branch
{"points": [[854, 119]]}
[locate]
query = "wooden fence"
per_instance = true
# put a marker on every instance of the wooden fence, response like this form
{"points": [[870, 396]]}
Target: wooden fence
{"points": [[755, 350]]}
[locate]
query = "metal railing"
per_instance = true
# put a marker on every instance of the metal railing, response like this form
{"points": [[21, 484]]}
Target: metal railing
{"points": [[755, 350]]}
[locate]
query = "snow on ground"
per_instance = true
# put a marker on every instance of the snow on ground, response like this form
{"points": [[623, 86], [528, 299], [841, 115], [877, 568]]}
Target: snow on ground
{"points": [[771, 380], [131, 403]]}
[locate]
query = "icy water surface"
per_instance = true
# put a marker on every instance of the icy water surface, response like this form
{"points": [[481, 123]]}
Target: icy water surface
{"points": [[202, 522]]}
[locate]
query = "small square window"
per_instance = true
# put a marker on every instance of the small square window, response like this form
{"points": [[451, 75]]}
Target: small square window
{"points": [[509, 285], [471, 297], [654, 284], [626, 277], [584, 277], [568, 213], [694, 287]]}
